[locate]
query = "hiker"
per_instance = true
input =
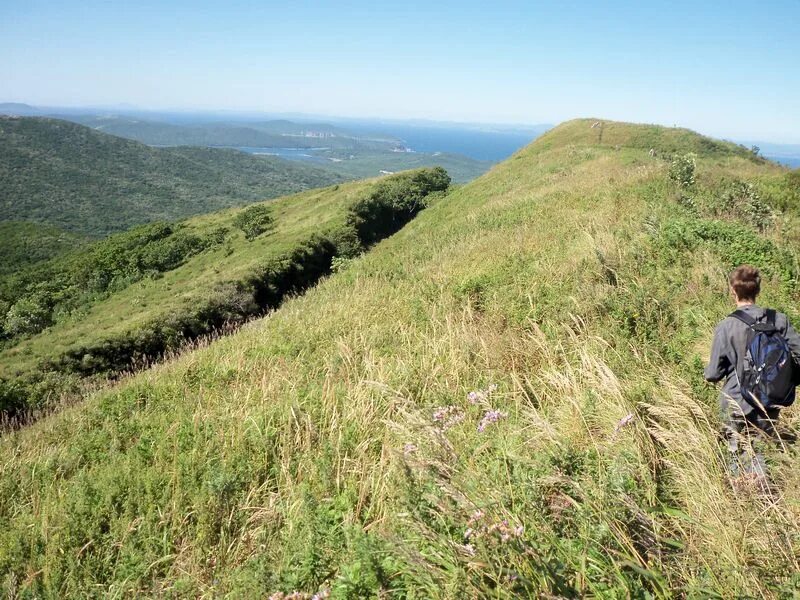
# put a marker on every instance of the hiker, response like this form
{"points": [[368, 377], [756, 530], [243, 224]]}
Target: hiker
{"points": [[754, 351]]}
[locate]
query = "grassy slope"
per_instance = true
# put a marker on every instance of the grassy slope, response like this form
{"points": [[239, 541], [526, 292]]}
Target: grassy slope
{"points": [[23, 244], [301, 453], [297, 219], [78, 179]]}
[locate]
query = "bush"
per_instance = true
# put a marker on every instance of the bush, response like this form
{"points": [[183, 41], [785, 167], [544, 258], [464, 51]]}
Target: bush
{"points": [[734, 243], [743, 200], [64, 284], [394, 202], [254, 220], [682, 169], [28, 315]]}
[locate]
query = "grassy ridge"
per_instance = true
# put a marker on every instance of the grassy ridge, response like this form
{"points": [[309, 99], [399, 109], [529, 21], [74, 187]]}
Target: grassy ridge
{"points": [[81, 180], [502, 400], [135, 295]]}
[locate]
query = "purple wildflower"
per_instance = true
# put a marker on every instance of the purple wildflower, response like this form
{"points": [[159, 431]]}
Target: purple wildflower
{"points": [[624, 421], [489, 417], [448, 416], [409, 448], [477, 396]]}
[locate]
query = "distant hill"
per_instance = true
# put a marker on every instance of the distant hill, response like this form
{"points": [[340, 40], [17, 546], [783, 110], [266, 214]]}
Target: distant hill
{"points": [[19, 109], [266, 134], [88, 182]]}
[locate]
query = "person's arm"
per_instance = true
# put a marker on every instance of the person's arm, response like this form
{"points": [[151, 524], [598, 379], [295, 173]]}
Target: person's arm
{"points": [[718, 365], [793, 339]]}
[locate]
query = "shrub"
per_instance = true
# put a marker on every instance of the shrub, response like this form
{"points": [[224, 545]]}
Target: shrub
{"points": [[743, 200], [682, 169], [734, 243], [28, 315], [254, 220], [394, 202]]}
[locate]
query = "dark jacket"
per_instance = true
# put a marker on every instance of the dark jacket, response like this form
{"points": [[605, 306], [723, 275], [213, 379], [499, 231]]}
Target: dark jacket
{"points": [[728, 351]]}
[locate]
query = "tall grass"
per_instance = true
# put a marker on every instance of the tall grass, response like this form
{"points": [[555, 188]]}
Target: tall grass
{"points": [[502, 400]]}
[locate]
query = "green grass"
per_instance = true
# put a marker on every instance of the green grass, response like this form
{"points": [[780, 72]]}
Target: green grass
{"points": [[75, 178], [303, 453], [297, 219]]}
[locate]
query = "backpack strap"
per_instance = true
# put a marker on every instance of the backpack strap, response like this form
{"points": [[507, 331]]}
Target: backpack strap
{"points": [[747, 319], [771, 316]]}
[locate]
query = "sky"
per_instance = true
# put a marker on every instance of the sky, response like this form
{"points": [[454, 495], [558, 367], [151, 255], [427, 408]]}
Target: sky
{"points": [[727, 69]]}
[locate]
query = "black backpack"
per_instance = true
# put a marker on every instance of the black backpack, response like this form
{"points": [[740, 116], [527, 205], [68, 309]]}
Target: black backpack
{"points": [[768, 380]]}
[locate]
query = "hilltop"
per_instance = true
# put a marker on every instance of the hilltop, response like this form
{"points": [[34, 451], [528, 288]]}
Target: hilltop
{"points": [[504, 399], [84, 181]]}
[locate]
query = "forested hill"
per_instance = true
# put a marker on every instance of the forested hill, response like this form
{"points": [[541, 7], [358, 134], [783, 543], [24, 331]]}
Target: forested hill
{"points": [[88, 182]]}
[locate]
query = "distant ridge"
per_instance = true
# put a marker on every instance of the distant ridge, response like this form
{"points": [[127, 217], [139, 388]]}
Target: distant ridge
{"points": [[74, 177]]}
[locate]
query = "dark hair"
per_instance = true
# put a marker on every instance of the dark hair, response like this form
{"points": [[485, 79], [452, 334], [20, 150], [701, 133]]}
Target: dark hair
{"points": [[745, 282]]}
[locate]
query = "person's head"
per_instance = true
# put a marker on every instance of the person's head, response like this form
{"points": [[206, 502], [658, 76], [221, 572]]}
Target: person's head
{"points": [[745, 282]]}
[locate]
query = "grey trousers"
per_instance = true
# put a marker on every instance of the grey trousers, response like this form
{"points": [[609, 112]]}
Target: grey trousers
{"points": [[746, 435]]}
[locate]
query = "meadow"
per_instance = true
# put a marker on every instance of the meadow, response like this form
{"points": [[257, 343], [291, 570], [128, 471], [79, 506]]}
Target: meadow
{"points": [[504, 399]]}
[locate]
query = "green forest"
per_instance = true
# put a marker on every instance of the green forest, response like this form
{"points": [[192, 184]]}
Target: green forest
{"points": [[75, 178]]}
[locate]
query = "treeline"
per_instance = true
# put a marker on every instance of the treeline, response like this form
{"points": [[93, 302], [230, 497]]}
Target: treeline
{"points": [[36, 298]]}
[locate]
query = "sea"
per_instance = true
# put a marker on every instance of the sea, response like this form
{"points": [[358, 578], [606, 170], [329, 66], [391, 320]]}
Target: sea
{"points": [[479, 144], [793, 162]]}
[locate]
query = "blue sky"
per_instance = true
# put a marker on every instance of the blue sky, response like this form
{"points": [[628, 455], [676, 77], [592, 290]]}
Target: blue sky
{"points": [[724, 68]]}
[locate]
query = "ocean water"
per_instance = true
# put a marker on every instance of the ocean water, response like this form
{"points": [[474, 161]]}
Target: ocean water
{"points": [[491, 146], [479, 144], [792, 162]]}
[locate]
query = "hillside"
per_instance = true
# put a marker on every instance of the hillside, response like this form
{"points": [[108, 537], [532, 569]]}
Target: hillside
{"points": [[127, 299], [502, 400], [25, 244], [87, 182], [351, 155]]}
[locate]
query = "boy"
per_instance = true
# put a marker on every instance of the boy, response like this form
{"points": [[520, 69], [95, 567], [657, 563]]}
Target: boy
{"points": [[741, 418]]}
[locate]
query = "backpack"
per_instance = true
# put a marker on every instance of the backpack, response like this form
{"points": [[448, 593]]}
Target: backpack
{"points": [[768, 380]]}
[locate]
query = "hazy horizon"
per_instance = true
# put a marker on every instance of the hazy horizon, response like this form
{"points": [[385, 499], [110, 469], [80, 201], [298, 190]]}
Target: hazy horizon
{"points": [[724, 70], [127, 109]]}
